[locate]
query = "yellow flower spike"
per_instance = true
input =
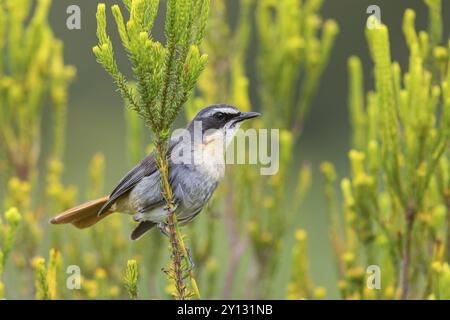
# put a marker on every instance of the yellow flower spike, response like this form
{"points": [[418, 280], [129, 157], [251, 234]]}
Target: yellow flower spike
{"points": [[300, 235], [114, 292], [356, 102], [92, 289], [304, 181], [293, 296], [131, 279], [328, 170], [300, 278], [389, 293], [409, 29], [293, 46], [347, 192], [440, 54], [354, 296], [2, 291], [369, 294], [364, 180], [435, 14], [18, 194], [100, 274], [357, 162], [14, 184], [13, 216], [348, 258], [286, 144], [53, 269], [320, 293], [342, 285], [41, 282], [437, 267]]}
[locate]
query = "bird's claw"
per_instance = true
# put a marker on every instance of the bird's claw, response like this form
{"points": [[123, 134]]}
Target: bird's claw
{"points": [[171, 207], [163, 228]]}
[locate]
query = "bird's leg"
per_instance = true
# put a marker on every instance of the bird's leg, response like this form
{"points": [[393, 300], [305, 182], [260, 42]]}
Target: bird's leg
{"points": [[169, 209], [163, 227]]}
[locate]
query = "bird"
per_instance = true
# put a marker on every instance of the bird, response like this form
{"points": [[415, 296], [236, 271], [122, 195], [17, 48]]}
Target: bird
{"points": [[193, 181]]}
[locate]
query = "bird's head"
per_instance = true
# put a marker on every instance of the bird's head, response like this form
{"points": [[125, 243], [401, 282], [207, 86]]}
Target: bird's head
{"points": [[221, 120]]}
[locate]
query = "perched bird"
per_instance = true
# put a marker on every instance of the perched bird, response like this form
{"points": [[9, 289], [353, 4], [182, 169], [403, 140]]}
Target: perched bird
{"points": [[193, 181]]}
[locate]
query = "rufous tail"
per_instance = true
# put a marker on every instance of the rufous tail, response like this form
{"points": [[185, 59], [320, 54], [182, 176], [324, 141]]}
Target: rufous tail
{"points": [[84, 215]]}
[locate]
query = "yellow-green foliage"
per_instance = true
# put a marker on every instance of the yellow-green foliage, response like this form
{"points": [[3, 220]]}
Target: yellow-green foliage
{"points": [[396, 200], [293, 28], [303, 44], [131, 279], [257, 219], [31, 70], [8, 230], [46, 276]]}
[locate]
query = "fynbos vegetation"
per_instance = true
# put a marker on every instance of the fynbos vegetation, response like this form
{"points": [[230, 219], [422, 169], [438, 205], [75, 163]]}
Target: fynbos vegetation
{"points": [[392, 211], [396, 201]]}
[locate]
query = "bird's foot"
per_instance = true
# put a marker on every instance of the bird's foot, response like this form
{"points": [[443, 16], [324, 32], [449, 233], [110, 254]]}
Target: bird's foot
{"points": [[163, 228], [172, 207]]}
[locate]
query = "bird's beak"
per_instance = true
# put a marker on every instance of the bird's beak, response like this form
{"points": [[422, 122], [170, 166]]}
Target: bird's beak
{"points": [[247, 115]]}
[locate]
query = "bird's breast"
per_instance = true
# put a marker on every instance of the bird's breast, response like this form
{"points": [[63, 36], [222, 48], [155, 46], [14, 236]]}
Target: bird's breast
{"points": [[212, 162]]}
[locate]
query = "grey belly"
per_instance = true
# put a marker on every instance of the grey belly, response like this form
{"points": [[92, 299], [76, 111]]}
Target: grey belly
{"points": [[192, 190]]}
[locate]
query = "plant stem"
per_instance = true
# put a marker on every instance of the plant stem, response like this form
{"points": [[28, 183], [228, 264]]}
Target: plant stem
{"points": [[179, 251], [410, 217], [176, 255]]}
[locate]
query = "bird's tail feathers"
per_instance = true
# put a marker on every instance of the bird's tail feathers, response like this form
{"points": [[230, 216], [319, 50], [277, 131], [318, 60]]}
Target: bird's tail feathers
{"points": [[141, 229], [84, 215]]}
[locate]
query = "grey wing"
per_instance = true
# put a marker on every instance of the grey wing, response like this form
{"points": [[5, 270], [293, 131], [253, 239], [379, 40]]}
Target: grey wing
{"points": [[145, 168]]}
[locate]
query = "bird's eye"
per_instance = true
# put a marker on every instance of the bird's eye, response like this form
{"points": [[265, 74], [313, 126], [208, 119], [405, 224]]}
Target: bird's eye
{"points": [[219, 116]]}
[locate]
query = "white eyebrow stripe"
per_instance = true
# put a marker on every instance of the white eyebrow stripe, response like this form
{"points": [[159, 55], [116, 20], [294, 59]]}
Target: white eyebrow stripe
{"points": [[224, 110]]}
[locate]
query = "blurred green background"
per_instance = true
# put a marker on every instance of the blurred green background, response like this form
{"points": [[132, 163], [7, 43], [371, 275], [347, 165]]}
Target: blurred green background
{"points": [[96, 124]]}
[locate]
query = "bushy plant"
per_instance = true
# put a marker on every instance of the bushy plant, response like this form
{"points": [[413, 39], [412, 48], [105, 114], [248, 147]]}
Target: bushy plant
{"points": [[395, 201]]}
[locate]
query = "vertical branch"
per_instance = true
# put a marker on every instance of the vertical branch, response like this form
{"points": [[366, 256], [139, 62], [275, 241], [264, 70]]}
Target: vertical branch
{"points": [[176, 269], [410, 217]]}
